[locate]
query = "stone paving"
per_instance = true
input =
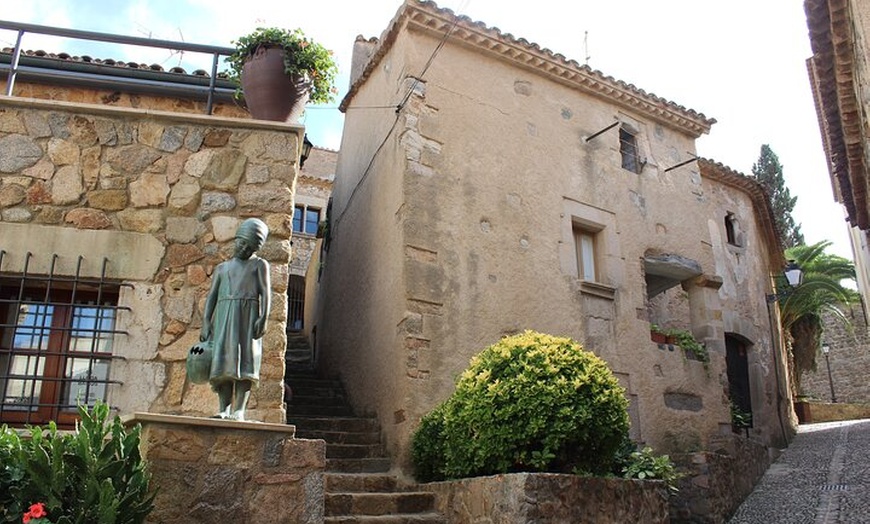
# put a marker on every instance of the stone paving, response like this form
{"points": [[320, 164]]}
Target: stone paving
{"points": [[822, 478]]}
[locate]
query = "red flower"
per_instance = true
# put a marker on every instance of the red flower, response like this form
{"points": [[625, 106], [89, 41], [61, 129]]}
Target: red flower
{"points": [[38, 510]]}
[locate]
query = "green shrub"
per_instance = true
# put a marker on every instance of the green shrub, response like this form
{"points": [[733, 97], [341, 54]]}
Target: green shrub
{"points": [[531, 402], [427, 446], [94, 475]]}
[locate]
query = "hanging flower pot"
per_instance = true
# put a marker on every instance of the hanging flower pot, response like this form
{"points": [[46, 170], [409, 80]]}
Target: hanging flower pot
{"points": [[280, 70]]}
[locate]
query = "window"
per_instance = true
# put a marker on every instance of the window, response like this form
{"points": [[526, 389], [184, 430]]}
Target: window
{"points": [[628, 150], [306, 220], [732, 230], [295, 302], [584, 241], [55, 348]]}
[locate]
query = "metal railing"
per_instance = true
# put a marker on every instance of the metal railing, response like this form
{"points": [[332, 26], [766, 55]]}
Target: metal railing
{"points": [[21, 28]]}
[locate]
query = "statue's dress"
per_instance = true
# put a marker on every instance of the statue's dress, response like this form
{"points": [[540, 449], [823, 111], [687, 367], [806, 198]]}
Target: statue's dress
{"points": [[236, 354]]}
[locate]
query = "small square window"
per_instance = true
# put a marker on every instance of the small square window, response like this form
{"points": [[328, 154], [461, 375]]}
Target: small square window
{"points": [[306, 219]]}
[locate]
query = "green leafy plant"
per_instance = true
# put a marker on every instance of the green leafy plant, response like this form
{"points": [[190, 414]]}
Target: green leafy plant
{"points": [[644, 464], [302, 57], [531, 402], [740, 418], [94, 475], [687, 341]]}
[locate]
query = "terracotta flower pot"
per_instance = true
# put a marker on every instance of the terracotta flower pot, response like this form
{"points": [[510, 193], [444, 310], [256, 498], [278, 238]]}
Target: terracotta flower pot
{"points": [[269, 93], [658, 338]]}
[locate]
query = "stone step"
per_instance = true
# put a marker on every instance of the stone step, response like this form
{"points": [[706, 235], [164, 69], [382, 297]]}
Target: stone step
{"points": [[358, 483], [330, 399], [309, 389], [423, 518], [319, 411], [313, 383], [336, 504], [340, 437], [297, 355], [342, 424], [349, 451], [358, 465]]}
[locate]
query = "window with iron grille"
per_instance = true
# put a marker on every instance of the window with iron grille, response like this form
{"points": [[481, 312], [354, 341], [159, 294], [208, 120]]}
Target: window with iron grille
{"points": [[629, 151], [56, 339], [306, 219]]}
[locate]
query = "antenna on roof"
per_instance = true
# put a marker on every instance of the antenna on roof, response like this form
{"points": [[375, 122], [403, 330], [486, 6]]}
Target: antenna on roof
{"points": [[586, 46]]}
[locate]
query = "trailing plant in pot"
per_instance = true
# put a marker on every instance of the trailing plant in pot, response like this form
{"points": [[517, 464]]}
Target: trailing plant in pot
{"points": [[279, 70]]}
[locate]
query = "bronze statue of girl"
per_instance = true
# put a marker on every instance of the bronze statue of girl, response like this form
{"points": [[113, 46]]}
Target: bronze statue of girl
{"points": [[234, 320]]}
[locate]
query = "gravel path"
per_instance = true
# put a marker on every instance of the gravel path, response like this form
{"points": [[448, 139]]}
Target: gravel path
{"points": [[822, 478]]}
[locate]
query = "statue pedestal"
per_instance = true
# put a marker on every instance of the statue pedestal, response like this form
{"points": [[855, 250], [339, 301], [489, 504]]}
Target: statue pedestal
{"points": [[211, 470]]}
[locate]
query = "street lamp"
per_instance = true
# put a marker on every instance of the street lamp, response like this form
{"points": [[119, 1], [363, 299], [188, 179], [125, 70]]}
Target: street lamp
{"points": [[306, 150], [794, 275], [826, 348]]}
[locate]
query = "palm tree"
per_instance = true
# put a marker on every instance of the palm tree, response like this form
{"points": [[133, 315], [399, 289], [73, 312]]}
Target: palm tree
{"points": [[821, 291]]}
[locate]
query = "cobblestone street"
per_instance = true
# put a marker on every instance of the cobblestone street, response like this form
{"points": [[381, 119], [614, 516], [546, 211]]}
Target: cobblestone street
{"points": [[822, 478]]}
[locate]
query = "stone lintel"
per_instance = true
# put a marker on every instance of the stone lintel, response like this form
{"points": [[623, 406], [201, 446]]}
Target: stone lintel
{"points": [[707, 281]]}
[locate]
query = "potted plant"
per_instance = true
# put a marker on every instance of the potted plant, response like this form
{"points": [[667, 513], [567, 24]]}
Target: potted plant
{"points": [[657, 334], [279, 70]]}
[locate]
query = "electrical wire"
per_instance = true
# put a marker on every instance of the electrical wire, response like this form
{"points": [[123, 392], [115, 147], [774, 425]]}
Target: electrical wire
{"points": [[398, 107]]}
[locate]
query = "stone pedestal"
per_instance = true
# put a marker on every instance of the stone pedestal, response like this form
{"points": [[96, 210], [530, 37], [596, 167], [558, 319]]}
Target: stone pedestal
{"points": [[218, 471]]}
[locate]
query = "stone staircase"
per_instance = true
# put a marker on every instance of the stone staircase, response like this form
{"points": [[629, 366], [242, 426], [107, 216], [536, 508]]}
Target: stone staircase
{"points": [[298, 355], [358, 486]]}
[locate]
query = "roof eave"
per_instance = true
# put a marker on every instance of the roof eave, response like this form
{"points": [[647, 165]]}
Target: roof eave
{"points": [[425, 16]]}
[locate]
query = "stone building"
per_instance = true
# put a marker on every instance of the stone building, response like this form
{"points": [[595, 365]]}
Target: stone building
{"points": [[838, 72], [838, 33], [507, 188], [313, 188], [118, 196]]}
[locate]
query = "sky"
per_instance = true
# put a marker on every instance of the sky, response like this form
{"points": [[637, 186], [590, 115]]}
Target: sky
{"points": [[742, 62]]}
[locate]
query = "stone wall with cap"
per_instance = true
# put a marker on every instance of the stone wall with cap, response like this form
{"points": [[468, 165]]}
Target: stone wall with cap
{"points": [[159, 195]]}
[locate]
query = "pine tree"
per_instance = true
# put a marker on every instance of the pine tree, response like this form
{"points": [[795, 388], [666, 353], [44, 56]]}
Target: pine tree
{"points": [[768, 172]]}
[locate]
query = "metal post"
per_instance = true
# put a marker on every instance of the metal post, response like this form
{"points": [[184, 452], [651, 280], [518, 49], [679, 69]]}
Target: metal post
{"points": [[13, 67], [830, 378]]}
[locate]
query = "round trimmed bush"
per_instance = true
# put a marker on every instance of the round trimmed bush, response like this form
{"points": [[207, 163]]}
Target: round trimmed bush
{"points": [[531, 402]]}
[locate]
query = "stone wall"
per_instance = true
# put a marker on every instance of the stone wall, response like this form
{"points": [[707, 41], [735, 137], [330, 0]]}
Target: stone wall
{"points": [[160, 195], [717, 481], [208, 470], [814, 412], [849, 359], [115, 98], [520, 498]]}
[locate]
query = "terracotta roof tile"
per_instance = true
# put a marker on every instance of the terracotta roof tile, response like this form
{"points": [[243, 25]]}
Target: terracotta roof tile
{"points": [[109, 62]]}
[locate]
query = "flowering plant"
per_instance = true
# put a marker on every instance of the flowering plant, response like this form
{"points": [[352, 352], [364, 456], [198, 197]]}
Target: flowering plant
{"points": [[36, 515], [302, 56]]}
